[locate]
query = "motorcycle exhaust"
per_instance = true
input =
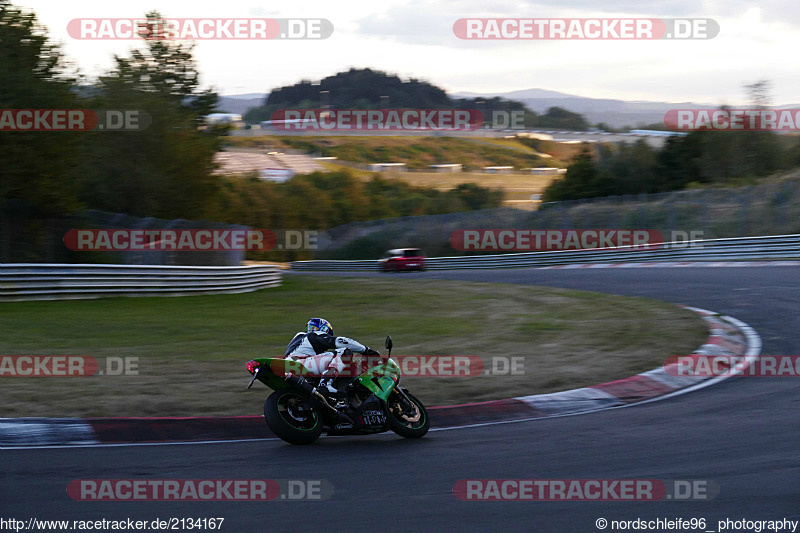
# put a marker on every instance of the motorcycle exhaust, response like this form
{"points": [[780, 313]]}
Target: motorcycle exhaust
{"points": [[312, 391], [302, 384]]}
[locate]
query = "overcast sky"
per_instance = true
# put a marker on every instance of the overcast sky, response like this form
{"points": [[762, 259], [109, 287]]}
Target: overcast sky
{"points": [[414, 38]]}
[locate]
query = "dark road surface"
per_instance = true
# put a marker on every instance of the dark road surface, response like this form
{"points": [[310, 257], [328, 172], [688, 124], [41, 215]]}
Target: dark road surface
{"points": [[742, 434]]}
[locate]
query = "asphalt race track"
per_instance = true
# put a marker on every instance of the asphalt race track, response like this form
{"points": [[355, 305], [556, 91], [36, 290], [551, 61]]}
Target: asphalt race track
{"points": [[743, 434]]}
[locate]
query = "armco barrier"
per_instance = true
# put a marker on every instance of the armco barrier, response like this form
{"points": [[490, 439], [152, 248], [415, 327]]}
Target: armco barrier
{"points": [[25, 281], [736, 249]]}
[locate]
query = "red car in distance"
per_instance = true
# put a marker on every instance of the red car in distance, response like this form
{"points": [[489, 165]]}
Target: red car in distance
{"points": [[401, 259]]}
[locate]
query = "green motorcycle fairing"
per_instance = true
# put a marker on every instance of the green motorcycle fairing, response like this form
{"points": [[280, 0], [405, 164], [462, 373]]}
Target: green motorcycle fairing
{"points": [[380, 379], [267, 376]]}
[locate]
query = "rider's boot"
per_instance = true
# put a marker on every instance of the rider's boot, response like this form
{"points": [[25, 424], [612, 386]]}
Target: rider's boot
{"points": [[326, 382]]}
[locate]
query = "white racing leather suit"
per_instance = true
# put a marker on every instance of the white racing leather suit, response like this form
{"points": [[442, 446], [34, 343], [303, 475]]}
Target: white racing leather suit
{"points": [[321, 353]]}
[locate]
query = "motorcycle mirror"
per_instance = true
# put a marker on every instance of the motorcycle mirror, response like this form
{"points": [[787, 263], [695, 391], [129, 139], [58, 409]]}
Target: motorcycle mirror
{"points": [[389, 344]]}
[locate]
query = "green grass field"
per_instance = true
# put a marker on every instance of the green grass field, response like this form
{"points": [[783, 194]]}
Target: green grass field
{"points": [[192, 350], [416, 151], [525, 184], [473, 153]]}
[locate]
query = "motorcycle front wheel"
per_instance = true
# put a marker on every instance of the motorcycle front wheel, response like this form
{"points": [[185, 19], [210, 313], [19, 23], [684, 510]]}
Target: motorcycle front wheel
{"points": [[411, 421]]}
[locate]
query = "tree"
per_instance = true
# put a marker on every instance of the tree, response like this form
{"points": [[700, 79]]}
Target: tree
{"points": [[38, 168], [578, 182], [627, 168], [760, 150], [165, 170], [758, 93], [557, 117]]}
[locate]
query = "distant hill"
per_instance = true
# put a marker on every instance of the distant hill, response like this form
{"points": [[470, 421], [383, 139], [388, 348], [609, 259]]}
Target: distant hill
{"points": [[364, 88], [373, 89], [615, 113], [516, 95], [239, 103], [248, 96], [355, 89]]}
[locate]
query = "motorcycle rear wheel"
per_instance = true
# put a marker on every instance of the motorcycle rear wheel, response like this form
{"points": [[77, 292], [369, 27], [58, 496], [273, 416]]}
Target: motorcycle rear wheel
{"points": [[289, 420]]}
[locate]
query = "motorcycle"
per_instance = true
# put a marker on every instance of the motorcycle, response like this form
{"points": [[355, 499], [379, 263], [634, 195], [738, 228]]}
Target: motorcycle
{"points": [[298, 412]]}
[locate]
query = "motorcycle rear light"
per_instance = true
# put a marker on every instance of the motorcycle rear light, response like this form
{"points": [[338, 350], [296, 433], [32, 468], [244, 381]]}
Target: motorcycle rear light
{"points": [[252, 366]]}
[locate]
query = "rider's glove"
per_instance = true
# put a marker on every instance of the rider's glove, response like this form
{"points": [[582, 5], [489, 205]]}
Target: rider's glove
{"points": [[370, 351]]}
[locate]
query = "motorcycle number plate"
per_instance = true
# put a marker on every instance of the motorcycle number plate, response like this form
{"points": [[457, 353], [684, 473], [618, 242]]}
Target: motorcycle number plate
{"points": [[373, 418]]}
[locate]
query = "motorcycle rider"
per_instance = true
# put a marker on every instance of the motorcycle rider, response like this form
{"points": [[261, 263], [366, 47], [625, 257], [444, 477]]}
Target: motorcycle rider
{"points": [[321, 352]]}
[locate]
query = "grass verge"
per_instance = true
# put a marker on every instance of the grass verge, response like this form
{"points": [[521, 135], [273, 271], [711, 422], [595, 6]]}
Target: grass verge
{"points": [[416, 151], [192, 350]]}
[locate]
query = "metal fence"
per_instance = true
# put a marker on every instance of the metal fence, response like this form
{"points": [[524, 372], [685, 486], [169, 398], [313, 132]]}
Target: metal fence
{"points": [[25, 281], [743, 248]]}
